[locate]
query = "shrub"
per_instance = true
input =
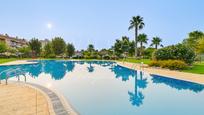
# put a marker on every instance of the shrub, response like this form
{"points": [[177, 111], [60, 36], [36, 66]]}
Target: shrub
{"points": [[148, 53], [170, 64], [52, 55], [155, 64], [175, 52], [3, 47]]}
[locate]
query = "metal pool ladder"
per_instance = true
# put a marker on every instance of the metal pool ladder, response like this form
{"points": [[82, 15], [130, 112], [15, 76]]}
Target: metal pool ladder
{"points": [[16, 71], [6, 74]]}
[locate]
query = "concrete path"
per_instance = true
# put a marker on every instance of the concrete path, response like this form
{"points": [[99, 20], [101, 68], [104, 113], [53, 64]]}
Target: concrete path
{"points": [[19, 62]]}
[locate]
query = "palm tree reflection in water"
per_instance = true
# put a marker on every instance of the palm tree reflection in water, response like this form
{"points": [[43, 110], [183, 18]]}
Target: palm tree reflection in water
{"points": [[136, 97], [90, 67]]}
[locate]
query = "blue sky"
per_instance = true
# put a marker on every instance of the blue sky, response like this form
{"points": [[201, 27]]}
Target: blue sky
{"points": [[100, 22]]}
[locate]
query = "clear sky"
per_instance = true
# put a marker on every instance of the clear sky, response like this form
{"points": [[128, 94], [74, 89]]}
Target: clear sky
{"points": [[100, 22]]}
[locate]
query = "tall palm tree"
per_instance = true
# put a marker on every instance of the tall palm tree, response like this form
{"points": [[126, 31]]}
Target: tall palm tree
{"points": [[137, 23], [142, 38], [156, 41]]}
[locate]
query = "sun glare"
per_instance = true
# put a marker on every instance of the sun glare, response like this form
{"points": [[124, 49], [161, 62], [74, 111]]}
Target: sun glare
{"points": [[49, 25]]}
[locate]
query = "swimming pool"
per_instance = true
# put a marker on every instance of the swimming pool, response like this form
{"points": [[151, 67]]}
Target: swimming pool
{"points": [[105, 88]]}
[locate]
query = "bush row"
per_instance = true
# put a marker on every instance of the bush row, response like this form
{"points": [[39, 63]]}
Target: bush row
{"points": [[170, 64]]}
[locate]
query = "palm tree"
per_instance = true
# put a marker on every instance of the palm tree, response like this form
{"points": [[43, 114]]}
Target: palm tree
{"points": [[137, 23], [157, 42], [90, 48], [142, 38]]}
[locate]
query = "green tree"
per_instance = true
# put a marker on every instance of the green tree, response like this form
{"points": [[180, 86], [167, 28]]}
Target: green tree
{"points": [[25, 51], [137, 23], [131, 48], [70, 50], [90, 48], [58, 45], [156, 41], [193, 38], [35, 46], [117, 48], [48, 51], [148, 52], [12, 50], [86, 54], [91, 52], [3, 47], [142, 38], [125, 44], [104, 54], [200, 46]]}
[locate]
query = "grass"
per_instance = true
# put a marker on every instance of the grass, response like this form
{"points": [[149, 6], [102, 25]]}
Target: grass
{"points": [[197, 68], [4, 60], [132, 60]]}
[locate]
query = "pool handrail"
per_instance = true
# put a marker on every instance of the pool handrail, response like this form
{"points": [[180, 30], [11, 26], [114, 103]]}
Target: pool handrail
{"points": [[9, 71]]}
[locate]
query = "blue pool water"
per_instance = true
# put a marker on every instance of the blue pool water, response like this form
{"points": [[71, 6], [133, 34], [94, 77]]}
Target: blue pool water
{"points": [[105, 88]]}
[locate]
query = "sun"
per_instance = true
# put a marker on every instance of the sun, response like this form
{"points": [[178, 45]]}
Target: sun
{"points": [[49, 25]]}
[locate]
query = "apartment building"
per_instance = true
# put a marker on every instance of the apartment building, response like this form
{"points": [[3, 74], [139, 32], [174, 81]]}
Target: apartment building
{"points": [[44, 42], [12, 42]]}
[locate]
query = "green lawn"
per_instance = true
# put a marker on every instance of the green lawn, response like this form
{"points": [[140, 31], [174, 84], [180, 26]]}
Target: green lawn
{"points": [[4, 60], [132, 60], [197, 68]]}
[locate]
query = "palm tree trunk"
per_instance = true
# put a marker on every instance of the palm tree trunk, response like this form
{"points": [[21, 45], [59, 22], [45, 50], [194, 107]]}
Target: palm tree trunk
{"points": [[141, 49], [155, 46], [136, 41]]}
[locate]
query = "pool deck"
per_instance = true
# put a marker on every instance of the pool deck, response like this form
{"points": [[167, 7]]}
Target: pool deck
{"points": [[19, 62], [19, 99], [196, 78]]}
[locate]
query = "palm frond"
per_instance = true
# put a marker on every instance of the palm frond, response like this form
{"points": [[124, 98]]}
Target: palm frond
{"points": [[131, 27]]}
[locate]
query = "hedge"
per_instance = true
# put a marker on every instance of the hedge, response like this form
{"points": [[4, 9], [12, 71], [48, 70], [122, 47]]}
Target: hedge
{"points": [[175, 52], [170, 64]]}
